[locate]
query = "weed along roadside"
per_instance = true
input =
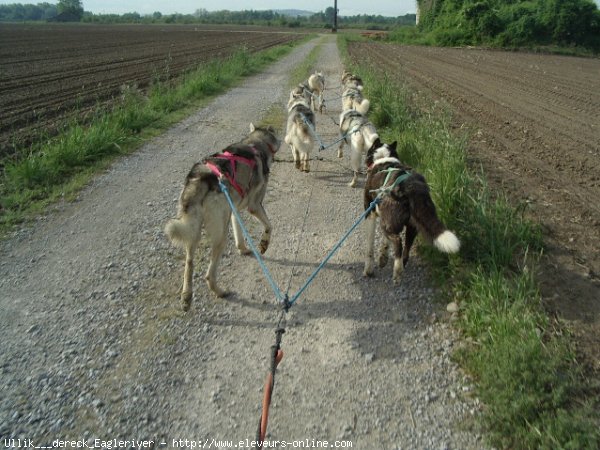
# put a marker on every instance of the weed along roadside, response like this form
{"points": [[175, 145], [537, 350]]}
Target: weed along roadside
{"points": [[524, 365], [60, 167]]}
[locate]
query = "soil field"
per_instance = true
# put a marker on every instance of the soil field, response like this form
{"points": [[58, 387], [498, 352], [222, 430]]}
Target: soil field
{"points": [[49, 73], [534, 127]]}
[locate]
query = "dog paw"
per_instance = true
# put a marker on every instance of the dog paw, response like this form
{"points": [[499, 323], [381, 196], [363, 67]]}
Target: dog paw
{"points": [[340, 154], [220, 293], [397, 275], [368, 272], [186, 301], [352, 183], [263, 246], [244, 251]]}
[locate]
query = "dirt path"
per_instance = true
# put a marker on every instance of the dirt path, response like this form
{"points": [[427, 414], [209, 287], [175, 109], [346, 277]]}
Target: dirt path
{"points": [[94, 345], [535, 130]]}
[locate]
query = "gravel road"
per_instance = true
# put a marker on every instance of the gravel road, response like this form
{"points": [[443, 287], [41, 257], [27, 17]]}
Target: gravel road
{"points": [[95, 346]]}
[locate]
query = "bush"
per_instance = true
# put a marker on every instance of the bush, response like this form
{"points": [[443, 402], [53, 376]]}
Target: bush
{"points": [[514, 23]]}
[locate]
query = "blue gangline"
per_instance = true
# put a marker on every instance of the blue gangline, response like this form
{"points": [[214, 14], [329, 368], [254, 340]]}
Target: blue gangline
{"points": [[248, 238]]}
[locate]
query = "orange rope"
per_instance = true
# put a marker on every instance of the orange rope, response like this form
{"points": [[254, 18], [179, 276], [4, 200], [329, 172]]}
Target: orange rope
{"points": [[269, 383]]}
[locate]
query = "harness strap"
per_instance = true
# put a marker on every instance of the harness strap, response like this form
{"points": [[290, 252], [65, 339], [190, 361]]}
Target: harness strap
{"points": [[384, 189], [231, 177]]}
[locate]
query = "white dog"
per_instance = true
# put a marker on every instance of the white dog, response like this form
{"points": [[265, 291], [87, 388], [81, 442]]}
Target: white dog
{"points": [[360, 134], [316, 84], [352, 97], [300, 130]]}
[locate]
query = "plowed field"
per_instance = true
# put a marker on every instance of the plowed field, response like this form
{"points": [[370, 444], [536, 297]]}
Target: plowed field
{"points": [[50, 73], [534, 122]]}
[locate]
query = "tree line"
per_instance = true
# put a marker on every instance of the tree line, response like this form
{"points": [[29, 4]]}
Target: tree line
{"points": [[512, 23], [45, 11]]}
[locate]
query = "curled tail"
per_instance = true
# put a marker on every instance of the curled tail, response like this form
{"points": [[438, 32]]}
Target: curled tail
{"points": [[447, 242], [364, 106], [183, 230], [424, 217], [186, 228]]}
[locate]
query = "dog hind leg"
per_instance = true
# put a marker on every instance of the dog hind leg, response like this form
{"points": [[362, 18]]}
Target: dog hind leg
{"points": [[340, 152], [188, 276], [383, 252], [216, 226], [398, 266], [409, 238], [305, 163], [297, 158], [355, 159]]}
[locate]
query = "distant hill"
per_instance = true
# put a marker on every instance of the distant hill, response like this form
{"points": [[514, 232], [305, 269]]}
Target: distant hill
{"points": [[293, 12]]}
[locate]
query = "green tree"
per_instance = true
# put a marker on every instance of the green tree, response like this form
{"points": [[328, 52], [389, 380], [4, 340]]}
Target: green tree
{"points": [[74, 7]]}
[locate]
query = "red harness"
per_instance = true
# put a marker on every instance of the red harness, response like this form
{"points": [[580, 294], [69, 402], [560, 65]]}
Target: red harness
{"points": [[231, 176]]}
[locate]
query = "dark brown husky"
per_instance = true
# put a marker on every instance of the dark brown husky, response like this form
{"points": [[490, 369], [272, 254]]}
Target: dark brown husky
{"points": [[244, 168], [406, 205]]}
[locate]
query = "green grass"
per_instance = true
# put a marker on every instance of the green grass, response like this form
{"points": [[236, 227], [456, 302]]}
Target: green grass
{"points": [[523, 362], [59, 167], [306, 67], [412, 35]]}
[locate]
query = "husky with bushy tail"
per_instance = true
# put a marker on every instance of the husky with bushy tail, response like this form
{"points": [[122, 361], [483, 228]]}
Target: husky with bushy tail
{"points": [[406, 204], [244, 169]]}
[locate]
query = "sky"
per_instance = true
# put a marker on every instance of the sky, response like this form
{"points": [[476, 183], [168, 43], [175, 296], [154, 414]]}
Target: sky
{"points": [[347, 7]]}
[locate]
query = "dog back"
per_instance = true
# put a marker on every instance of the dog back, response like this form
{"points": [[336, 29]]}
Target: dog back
{"points": [[302, 116]]}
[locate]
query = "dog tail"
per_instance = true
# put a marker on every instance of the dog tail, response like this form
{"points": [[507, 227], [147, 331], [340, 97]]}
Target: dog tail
{"points": [[447, 242], [305, 130], [424, 216], [186, 228], [364, 106]]}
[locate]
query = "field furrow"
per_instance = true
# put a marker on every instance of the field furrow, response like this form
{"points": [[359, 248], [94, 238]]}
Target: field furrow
{"points": [[50, 74]]}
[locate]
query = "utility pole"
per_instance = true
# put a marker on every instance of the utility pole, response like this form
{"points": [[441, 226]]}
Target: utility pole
{"points": [[335, 11], [418, 12]]}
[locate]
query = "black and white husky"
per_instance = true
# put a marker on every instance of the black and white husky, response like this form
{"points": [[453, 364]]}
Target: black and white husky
{"points": [[244, 168], [407, 205], [359, 133], [300, 130]]}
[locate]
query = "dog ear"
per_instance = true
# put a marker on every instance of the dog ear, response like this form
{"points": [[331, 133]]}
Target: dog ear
{"points": [[371, 151], [252, 127], [393, 151]]}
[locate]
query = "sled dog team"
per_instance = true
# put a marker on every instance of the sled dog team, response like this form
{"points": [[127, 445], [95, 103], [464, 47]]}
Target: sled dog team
{"points": [[244, 169]]}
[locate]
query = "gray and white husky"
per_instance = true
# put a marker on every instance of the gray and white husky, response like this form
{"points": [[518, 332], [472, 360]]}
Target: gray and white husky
{"points": [[244, 168], [352, 96], [360, 134], [300, 130]]}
